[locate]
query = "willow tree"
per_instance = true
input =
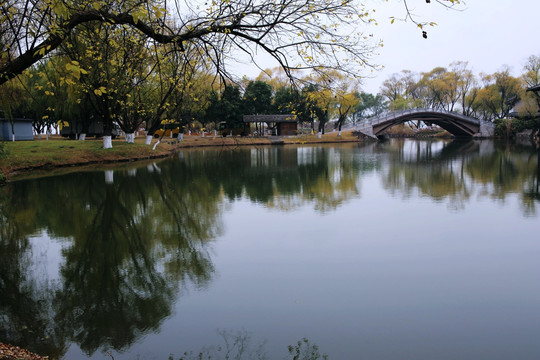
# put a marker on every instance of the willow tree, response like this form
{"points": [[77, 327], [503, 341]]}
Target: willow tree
{"points": [[531, 71], [499, 95], [405, 90], [183, 91], [528, 108]]}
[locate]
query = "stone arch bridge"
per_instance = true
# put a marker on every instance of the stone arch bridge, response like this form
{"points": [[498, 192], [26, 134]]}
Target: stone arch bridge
{"points": [[454, 123]]}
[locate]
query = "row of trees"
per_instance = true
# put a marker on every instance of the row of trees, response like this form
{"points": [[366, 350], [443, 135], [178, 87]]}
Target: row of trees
{"points": [[132, 62], [457, 88], [97, 80], [145, 62], [82, 86]]}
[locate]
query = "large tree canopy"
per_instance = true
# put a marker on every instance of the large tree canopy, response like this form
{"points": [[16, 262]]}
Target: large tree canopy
{"points": [[303, 30], [298, 34]]}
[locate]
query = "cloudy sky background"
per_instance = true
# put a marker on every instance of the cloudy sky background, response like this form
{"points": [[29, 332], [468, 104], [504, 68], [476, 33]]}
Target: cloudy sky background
{"points": [[488, 34]]}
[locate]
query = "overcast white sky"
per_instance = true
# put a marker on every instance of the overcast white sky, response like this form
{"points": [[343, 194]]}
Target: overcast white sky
{"points": [[487, 33]]}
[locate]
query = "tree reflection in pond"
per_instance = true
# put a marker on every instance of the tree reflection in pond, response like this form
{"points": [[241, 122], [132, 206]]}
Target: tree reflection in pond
{"points": [[285, 178], [132, 244], [531, 194], [26, 297], [458, 170], [128, 246], [238, 345]]}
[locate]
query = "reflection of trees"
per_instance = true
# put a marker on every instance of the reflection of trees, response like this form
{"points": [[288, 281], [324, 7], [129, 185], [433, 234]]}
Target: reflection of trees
{"points": [[112, 287], [285, 177], [119, 237], [238, 345], [508, 169], [459, 170], [129, 245], [531, 194], [188, 210], [25, 301], [436, 178]]}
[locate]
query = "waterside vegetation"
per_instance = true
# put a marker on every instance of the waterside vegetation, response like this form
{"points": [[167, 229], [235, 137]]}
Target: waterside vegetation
{"points": [[35, 157]]}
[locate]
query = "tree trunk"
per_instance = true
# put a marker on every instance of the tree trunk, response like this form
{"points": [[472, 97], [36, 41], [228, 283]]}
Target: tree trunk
{"points": [[82, 137], [130, 138], [148, 140], [107, 142]]}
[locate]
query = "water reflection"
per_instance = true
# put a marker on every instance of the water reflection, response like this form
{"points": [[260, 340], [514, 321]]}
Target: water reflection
{"points": [[239, 345], [531, 194], [134, 239], [459, 170], [26, 301], [288, 178], [128, 244], [285, 178]]}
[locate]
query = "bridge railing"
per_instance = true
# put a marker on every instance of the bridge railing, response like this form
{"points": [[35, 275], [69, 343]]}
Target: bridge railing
{"points": [[367, 123], [390, 115]]}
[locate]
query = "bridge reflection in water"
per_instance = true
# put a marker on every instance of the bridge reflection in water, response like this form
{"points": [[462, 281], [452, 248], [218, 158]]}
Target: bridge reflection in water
{"points": [[457, 124]]}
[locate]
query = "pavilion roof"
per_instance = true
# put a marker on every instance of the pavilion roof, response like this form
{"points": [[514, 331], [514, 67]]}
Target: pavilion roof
{"points": [[270, 118]]}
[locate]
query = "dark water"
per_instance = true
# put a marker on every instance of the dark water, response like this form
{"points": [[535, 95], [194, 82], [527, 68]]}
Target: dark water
{"points": [[394, 250]]}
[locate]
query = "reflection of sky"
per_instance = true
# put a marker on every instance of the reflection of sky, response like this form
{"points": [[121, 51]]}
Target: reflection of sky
{"points": [[414, 150], [47, 255], [307, 155]]}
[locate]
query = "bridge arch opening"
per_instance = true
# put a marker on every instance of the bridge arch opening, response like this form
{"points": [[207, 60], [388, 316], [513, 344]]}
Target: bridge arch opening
{"points": [[455, 128]]}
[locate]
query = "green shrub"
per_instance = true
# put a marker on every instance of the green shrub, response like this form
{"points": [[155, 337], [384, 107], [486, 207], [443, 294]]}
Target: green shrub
{"points": [[3, 150], [501, 127], [511, 127], [525, 124]]}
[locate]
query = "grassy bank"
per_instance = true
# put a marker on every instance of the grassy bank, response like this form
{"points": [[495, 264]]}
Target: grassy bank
{"points": [[43, 154], [23, 156]]}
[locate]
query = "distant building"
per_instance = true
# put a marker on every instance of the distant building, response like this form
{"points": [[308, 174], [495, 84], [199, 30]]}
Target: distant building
{"points": [[276, 124], [22, 129]]}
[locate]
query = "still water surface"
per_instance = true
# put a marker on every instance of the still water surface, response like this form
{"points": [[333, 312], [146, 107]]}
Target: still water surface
{"points": [[396, 250]]}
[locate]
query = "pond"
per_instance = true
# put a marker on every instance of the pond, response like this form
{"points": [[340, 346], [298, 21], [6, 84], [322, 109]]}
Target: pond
{"points": [[401, 249]]}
